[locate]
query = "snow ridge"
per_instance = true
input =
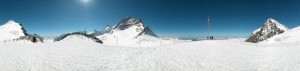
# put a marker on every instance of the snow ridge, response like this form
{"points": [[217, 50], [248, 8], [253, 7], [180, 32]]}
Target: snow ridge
{"points": [[83, 34], [290, 36]]}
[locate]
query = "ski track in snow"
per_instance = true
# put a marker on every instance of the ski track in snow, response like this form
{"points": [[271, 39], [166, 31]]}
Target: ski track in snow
{"points": [[208, 55]]}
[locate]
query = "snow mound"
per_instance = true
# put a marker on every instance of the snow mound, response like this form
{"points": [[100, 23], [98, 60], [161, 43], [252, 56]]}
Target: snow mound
{"points": [[268, 30], [289, 36], [78, 35], [48, 39], [11, 30]]}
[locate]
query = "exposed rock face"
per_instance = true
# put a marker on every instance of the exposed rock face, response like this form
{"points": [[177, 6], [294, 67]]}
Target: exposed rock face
{"points": [[31, 38], [129, 22], [268, 30], [24, 30], [39, 37], [148, 31]]}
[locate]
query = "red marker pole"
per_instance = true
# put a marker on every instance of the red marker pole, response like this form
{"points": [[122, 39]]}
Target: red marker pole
{"points": [[208, 20]]}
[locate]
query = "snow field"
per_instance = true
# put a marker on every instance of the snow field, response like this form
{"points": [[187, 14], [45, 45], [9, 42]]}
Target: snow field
{"points": [[210, 55]]}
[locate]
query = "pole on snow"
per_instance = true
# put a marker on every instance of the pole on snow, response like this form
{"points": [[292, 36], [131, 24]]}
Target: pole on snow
{"points": [[208, 21], [209, 37]]}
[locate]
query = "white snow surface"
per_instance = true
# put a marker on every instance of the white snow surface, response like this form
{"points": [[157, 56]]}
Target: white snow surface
{"points": [[141, 41], [10, 30], [287, 37], [78, 54], [48, 39]]}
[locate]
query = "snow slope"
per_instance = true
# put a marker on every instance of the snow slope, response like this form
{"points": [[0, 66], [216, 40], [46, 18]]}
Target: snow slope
{"points": [[11, 30], [287, 37], [77, 54], [123, 39]]}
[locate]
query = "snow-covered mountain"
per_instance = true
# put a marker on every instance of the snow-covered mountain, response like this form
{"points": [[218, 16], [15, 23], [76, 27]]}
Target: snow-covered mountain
{"points": [[268, 30], [135, 26], [11, 30], [128, 31]]}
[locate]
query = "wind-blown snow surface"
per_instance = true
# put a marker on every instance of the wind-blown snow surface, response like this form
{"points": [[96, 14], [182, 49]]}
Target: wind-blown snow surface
{"points": [[287, 37], [76, 53]]}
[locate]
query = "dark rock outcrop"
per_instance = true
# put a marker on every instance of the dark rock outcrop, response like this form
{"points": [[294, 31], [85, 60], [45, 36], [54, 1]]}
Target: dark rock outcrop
{"points": [[129, 22], [148, 31]]}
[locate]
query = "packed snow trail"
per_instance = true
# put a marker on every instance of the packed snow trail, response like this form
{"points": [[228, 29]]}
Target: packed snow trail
{"points": [[84, 55]]}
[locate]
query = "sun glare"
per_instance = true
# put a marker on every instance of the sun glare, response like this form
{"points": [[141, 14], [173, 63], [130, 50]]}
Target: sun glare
{"points": [[86, 1]]}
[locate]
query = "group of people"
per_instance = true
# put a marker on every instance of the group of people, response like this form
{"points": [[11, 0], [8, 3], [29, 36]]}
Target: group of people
{"points": [[210, 37]]}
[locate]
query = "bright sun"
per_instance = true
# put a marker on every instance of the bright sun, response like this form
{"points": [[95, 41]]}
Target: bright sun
{"points": [[85, 1]]}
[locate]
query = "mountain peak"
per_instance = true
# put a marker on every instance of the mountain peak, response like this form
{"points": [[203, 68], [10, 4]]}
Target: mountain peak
{"points": [[127, 28], [127, 22], [11, 22], [129, 17], [273, 23], [268, 30], [11, 30], [271, 20]]}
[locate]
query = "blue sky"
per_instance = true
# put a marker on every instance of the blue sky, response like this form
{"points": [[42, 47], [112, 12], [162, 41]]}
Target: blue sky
{"points": [[181, 18]]}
